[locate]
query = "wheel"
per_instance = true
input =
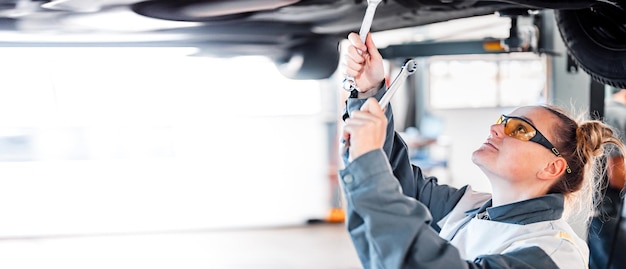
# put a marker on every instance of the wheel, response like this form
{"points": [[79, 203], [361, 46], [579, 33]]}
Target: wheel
{"points": [[316, 59], [596, 39]]}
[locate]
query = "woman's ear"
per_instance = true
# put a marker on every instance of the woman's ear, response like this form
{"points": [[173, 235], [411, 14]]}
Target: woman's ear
{"points": [[553, 169]]}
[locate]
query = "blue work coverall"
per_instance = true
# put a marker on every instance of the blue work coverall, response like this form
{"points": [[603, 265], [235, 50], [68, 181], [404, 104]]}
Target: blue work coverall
{"points": [[399, 218]]}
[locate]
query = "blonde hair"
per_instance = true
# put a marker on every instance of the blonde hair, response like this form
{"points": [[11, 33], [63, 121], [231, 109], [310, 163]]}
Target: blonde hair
{"points": [[583, 143]]}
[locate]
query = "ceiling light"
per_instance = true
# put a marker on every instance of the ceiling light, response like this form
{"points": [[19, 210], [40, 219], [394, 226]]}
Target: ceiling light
{"points": [[74, 5], [223, 8]]}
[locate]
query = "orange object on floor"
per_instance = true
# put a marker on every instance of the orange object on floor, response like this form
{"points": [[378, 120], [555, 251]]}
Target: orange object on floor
{"points": [[336, 215]]}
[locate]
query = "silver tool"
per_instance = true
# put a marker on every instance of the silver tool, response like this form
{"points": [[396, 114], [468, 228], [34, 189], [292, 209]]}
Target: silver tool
{"points": [[349, 83], [407, 69]]}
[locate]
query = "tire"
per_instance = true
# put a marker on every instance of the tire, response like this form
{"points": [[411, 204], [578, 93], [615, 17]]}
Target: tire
{"points": [[316, 59], [596, 42]]}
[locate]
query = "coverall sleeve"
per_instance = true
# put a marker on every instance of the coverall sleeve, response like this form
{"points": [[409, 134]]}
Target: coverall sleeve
{"points": [[389, 229]]}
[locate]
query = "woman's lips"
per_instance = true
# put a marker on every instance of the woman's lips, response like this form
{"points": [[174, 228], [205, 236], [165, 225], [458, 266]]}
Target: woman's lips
{"points": [[489, 144]]}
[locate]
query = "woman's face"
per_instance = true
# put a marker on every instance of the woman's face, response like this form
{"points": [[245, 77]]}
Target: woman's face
{"points": [[503, 156]]}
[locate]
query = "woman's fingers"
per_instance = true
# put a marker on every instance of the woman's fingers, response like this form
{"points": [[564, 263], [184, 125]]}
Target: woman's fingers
{"points": [[355, 40], [366, 128], [353, 69]]}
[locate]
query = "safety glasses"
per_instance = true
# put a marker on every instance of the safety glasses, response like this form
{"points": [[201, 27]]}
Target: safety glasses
{"points": [[522, 129]]}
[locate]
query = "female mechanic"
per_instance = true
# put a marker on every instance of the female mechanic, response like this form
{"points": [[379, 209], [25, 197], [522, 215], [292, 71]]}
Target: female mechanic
{"points": [[539, 161]]}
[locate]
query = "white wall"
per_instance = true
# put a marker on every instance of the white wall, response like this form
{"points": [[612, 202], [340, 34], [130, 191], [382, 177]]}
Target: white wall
{"points": [[157, 144]]}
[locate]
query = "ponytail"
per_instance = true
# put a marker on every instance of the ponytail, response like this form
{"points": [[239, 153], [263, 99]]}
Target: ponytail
{"points": [[583, 143]]}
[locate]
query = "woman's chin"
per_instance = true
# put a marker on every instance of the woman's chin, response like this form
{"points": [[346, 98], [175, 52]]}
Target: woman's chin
{"points": [[477, 157]]}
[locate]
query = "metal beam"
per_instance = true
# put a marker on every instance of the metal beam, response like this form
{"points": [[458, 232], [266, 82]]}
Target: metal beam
{"points": [[488, 46]]}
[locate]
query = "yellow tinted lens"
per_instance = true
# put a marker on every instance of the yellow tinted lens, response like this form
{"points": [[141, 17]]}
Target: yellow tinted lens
{"points": [[500, 119], [519, 129]]}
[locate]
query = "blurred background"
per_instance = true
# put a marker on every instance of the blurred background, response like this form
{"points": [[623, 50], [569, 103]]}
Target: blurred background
{"points": [[166, 157]]}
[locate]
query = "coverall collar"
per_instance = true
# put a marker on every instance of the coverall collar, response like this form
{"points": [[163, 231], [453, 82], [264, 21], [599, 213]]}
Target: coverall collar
{"points": [[543, 208]]}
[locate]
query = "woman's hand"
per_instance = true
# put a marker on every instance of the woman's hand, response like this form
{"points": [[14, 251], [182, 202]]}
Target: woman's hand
{"points": [[364, 63], [365, 129]]}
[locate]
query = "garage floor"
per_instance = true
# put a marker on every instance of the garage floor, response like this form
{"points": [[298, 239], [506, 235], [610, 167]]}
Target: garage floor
{"points": [[308, 246]]}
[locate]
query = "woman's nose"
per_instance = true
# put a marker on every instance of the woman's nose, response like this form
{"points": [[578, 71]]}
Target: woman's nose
{"points": [[497, 130]]}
